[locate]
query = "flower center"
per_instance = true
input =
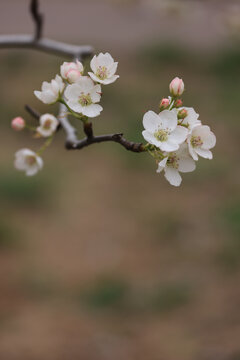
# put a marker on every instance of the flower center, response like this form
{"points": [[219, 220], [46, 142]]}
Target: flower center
{"points": [[172, 161], [30, 160], [161, 135], [85, 100], [102, 72], [196, 141], [47, 124]]}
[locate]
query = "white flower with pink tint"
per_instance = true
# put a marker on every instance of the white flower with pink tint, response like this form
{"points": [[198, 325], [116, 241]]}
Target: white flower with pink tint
{"points": [[200, 141], [163, 130], [83, 96], [28, 161], [104, 69], [48, 125], [51, 92], [18, 123], [175, 162], [176, 87], [71, 71]]}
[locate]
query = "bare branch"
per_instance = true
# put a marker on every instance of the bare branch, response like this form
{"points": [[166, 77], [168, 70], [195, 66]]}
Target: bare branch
{"points": [[45, 45], [37, 18], [32, 112], [118, 138]]}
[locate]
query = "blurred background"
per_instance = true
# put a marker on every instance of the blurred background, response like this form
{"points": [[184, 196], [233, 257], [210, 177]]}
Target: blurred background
{"points": [[100, 258]]}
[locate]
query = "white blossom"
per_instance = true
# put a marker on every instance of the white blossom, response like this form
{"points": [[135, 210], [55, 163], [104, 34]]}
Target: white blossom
{"points": [[104, 69], [200, 141], [28, 161], [71, 71], [175, 162], [83, 96], [163, 130], [48, 125], [52, 91]]}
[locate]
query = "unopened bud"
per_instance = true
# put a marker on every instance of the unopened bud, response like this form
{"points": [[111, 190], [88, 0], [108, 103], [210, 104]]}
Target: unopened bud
{"points": [[164, 104], [178, 103], [182, 114], [18, 123], [176, 87]]}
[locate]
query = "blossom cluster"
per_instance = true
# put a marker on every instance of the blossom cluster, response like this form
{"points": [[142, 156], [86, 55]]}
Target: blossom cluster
{"points": [[80, 94], [176, 137]]}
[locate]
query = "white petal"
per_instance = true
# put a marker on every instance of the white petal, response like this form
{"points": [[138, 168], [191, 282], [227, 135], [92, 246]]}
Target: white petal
{"points": [[112, 70], [75, 106], [168, 119], [30, 171], [151, 121], [173, 176], [178, 135], [161, 165], [186, 164], [105, 60], [95, 94], [93, 64], [207, 154], [92, 110], [168, 146], [73, 92], [149, 137], [86, 84]]}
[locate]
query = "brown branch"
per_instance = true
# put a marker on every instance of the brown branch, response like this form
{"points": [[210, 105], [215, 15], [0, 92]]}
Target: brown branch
{"points": [[32, 112], [118, 138], [37, 18], [73, 143]]}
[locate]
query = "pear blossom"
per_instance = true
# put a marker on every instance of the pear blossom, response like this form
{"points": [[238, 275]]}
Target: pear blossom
{"points": [[83, 96], [163, 130], [51, 92], [175, 162], [104, 69], [191, 118], [18, 123], [200, 141], [28, 161], [71, 71], [48, 125], [176, 87]]}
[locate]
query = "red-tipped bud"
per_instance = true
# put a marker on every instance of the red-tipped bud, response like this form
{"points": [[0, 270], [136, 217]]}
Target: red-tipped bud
{"points": [[18, 123], [182, 114], [164, 104], [178, 103]]}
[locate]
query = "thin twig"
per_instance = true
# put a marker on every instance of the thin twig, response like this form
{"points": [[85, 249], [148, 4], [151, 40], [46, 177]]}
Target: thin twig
{"points": [[37, 18], [32, 112]]}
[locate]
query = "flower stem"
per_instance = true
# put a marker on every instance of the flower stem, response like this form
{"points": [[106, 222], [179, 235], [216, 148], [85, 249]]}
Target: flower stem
{"points": [[45, 145]]}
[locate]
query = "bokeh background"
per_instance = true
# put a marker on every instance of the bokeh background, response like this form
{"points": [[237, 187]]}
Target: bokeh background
{"points": [[100, 258]]}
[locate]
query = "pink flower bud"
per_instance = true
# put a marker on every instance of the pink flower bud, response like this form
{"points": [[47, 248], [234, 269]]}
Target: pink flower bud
{"points": [[71, 71], [164, 104], [18, 123], [182, 114], [176, 87], [178, 103]]}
